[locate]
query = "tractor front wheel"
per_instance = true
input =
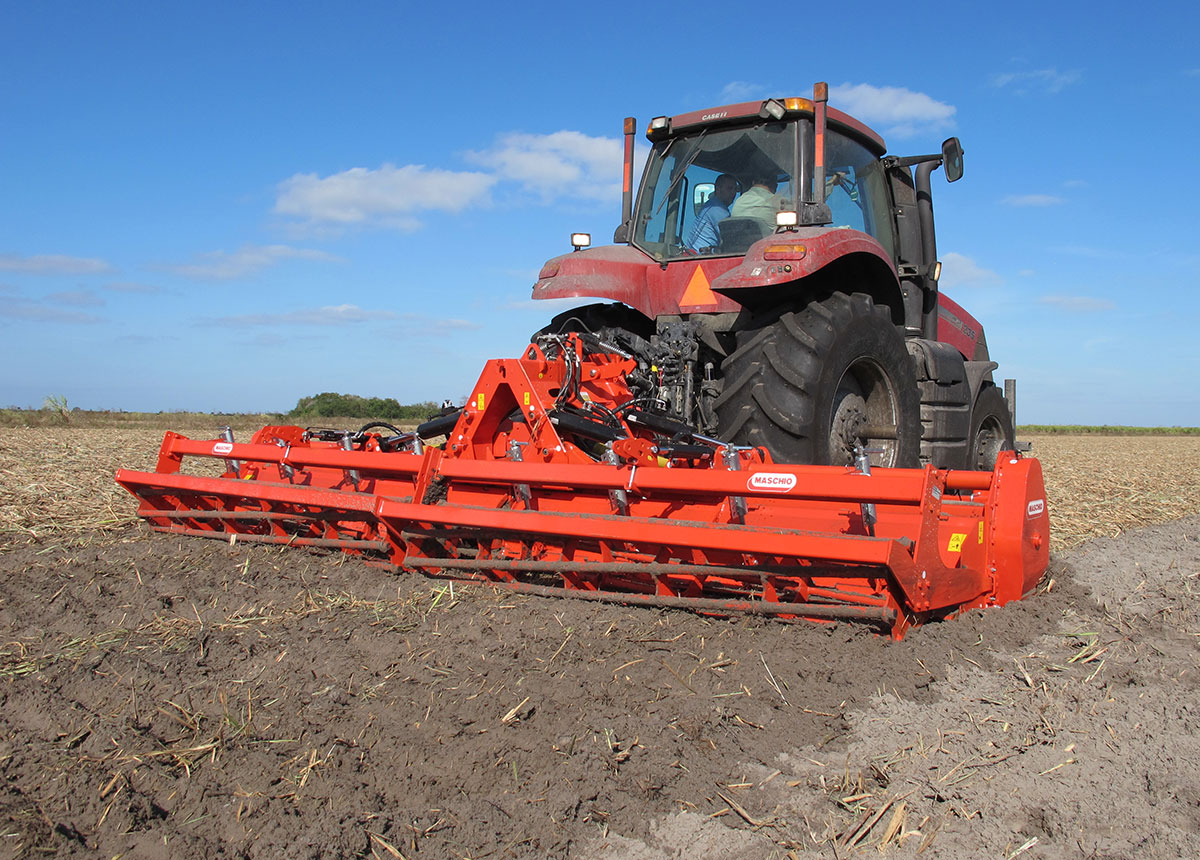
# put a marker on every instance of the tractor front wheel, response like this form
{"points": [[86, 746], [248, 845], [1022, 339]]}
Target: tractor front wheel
{"points": [[819, 383]]}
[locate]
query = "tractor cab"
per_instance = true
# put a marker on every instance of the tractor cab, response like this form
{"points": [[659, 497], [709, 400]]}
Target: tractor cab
{"points": [[770, 160]]}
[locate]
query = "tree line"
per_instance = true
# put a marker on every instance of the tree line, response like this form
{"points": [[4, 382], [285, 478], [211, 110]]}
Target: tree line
{"points": [[331, 405]]}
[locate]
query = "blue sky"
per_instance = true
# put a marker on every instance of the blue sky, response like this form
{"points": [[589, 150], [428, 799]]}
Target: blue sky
{"points": [[226, 207]]}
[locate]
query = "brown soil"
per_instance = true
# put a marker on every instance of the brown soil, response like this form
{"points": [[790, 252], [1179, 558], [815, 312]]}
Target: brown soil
{"points": [[169, 698]]}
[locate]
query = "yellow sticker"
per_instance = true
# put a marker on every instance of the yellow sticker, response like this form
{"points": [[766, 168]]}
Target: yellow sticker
{"points": [[981, 531], [480, 400], [526, 398], [956, 542]]}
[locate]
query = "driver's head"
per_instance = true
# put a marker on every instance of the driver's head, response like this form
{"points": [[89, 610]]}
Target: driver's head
{"points": [[725, 188], [767, 181]]}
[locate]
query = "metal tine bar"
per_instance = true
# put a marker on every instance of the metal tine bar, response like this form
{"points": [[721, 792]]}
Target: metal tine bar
{"points": [[880, 615], [751, 574], [836, 594], [329, 543], [835, 548], [143, 484], [186, 514]]}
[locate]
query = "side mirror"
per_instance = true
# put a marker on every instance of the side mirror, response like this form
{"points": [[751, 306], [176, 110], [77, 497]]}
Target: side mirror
{"points": [[700, 195], [952, 159]]}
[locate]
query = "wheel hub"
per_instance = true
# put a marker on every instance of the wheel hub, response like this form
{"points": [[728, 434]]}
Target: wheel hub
{"points": [[865, 404], [849, 426], [988, 444]]}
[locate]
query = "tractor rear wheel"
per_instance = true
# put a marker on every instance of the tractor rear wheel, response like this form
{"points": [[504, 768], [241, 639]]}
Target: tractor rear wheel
{"points": [[817, 383], [592, 318], [991, 429]]}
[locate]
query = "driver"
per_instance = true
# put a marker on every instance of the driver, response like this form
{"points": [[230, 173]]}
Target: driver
{"points": [[760, 201], [704, 235]]}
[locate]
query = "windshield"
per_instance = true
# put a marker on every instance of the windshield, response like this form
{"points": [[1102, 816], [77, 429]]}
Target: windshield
{"points": [[716, 192], [856, 190]]}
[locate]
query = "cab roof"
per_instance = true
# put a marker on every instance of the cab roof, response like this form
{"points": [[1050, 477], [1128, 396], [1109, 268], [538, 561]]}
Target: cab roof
{"points": [[735, 114]]}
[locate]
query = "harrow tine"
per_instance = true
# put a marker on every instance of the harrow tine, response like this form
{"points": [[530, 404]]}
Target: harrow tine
{"points": [[883, 616]]}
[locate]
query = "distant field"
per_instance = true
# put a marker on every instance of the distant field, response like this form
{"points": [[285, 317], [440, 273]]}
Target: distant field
{"points": [[182, 422], [1103, 430]]}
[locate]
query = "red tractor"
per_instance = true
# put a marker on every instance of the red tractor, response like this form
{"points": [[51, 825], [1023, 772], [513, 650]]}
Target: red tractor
{"points": [[776, 280]]}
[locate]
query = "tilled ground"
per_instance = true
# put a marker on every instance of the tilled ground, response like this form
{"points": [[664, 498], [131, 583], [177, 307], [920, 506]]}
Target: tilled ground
{"points": [[165, 698]]}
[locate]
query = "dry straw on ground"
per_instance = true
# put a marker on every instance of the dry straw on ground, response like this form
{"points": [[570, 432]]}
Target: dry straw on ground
{"points": [[1102, 486], [58, 482]]}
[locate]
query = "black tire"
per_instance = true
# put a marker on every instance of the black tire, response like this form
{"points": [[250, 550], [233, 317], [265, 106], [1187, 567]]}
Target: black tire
{"points": [[817, 382], [991, 429]]}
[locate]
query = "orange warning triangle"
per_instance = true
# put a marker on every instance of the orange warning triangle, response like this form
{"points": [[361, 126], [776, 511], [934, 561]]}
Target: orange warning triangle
{"points": [[698, 292]]}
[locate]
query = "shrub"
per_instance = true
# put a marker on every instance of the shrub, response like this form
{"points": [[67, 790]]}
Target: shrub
{"points": [[331, 405]]}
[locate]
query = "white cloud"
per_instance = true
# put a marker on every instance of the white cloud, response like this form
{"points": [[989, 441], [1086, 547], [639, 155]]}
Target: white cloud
{"points": [[225, 266], [961, 271], [78, 298], [1078, 304], [412, 325], [563, 164], [1032, 200], [333, 315], [742, 91], [140, 339], [560, 164], [16, 308], [404, 325], [1047, 81], [132, 287], [389, 196], [270, 339], [893, 111], [442, 325], [53, 264]]}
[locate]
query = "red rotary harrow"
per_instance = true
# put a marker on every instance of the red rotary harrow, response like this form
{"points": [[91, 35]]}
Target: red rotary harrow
{"points": [[553, 479]]}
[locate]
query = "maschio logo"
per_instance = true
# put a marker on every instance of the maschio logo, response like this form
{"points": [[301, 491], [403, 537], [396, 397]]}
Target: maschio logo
{"points": [[222, 448], [1036, 507], [772, 482]]}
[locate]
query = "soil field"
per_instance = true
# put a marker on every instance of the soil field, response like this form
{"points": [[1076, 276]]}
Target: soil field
{"points": [[172, 698]]}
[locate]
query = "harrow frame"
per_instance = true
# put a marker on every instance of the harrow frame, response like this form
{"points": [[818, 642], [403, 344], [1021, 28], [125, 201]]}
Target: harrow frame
{"points": [[518, 497]]}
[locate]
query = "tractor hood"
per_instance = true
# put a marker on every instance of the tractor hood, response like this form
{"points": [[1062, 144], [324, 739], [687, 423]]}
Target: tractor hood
{"points": [[624, 274], [711, 284]]}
